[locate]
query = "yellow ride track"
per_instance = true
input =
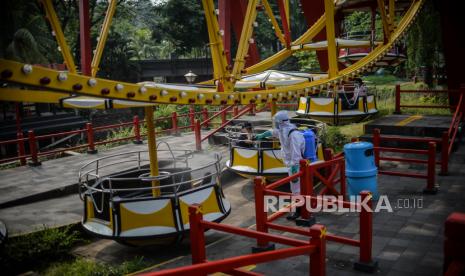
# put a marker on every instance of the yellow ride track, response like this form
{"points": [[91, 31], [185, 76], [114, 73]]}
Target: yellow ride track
{"points": [[61, 84]]}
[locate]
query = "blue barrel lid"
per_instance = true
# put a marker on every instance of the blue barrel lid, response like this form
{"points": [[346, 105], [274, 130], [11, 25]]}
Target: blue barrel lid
{"points": [[358, 146]]}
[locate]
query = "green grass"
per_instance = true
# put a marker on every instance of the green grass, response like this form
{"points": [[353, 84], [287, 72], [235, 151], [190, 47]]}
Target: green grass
{"points": [[32, 251], [83, 267]]}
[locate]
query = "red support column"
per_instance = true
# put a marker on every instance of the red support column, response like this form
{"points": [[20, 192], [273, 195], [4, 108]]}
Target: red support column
{"points": [[205, 118], [197, 133], [21, 149], [445, 153], [366, 262], [197, 236], [174, 123], [90, 139], [397, 109], [137, 138], [376, 144], [431, 180], [84, 34], [223, 116], [224, 18], [192, 118], [318, 258], [33, 149], [261, 216], [286, 27]]}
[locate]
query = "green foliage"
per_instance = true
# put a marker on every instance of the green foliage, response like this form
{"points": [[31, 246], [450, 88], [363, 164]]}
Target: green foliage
{"points": [[29, 251], [332, 137], [83, 267], [307, 61]]}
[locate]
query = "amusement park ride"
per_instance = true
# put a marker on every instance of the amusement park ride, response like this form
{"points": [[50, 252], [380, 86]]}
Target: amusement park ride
{"points": [[150, 202]]}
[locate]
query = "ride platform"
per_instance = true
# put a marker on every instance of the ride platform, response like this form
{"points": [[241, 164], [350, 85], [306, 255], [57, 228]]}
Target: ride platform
{"points": [[407, 126]]}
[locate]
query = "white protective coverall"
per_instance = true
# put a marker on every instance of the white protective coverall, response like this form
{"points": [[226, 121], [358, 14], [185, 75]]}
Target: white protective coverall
{"points": [[292, 146]]}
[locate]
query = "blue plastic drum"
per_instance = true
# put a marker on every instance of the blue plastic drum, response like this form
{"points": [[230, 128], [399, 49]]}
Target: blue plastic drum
{"points": [[361, 171]]}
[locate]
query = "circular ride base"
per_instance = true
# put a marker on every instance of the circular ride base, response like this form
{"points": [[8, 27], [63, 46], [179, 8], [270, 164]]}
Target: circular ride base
{"points": [[132, 207], [263, 158]]}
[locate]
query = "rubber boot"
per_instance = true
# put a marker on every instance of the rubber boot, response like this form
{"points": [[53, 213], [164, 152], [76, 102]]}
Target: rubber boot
{"points": [[295, 215]]}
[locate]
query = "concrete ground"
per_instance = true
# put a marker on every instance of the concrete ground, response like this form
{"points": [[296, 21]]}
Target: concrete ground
{"points": [[406, 241]]}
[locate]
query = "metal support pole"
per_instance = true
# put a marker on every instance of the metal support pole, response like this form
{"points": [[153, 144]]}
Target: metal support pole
{"points": [[197, 236], [342, 176], [197, 133], [21, 149], [33, 149], [431, 180], [152, 147], [331, 38], [274, 108], [366, 262], [192, 118], [205, 118], [137, 138], [174, 123], [445, 153], [397, 109], [261, 216], [318, 258], [223, 116], [376, 144], [90, 139]]}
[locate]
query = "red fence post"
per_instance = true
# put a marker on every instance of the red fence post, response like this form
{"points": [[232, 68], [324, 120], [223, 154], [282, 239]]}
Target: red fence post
{"points": [[462, 107], [328, 155], [136, 122], [306, 190], [445, 153], [397, 99], [235, 111], [90, 139], [205, 118], [174, 123], [197, 133], [21, 149], [252, 110], [197, 236], [223, 116], [261, 216], [33, 149], [318, 258], [431, 180], [376, 144], [365, 262], [342, 176], [192, 118]]}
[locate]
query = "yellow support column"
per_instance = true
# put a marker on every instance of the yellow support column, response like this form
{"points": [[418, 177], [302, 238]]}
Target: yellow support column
{"points": [[273, 21], [152, 145], [220, 63], [273, 108], [385, 19], [103, 37], [60, 37], [246, 35], [392, 13], [331, 37]]}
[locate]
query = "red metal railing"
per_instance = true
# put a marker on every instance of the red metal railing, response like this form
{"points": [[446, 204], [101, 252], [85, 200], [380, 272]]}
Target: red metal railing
{"points": [[398, 104], [307, 170], [315, 247], [197, 125], [431, 162], [89, 131]]}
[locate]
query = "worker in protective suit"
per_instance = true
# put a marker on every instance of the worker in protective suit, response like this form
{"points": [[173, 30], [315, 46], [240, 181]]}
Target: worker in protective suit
{"points": [[292, 148]]}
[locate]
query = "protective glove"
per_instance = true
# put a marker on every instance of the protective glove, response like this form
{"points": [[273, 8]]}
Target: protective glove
{"points": [[294, 169], [264, 135]]}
